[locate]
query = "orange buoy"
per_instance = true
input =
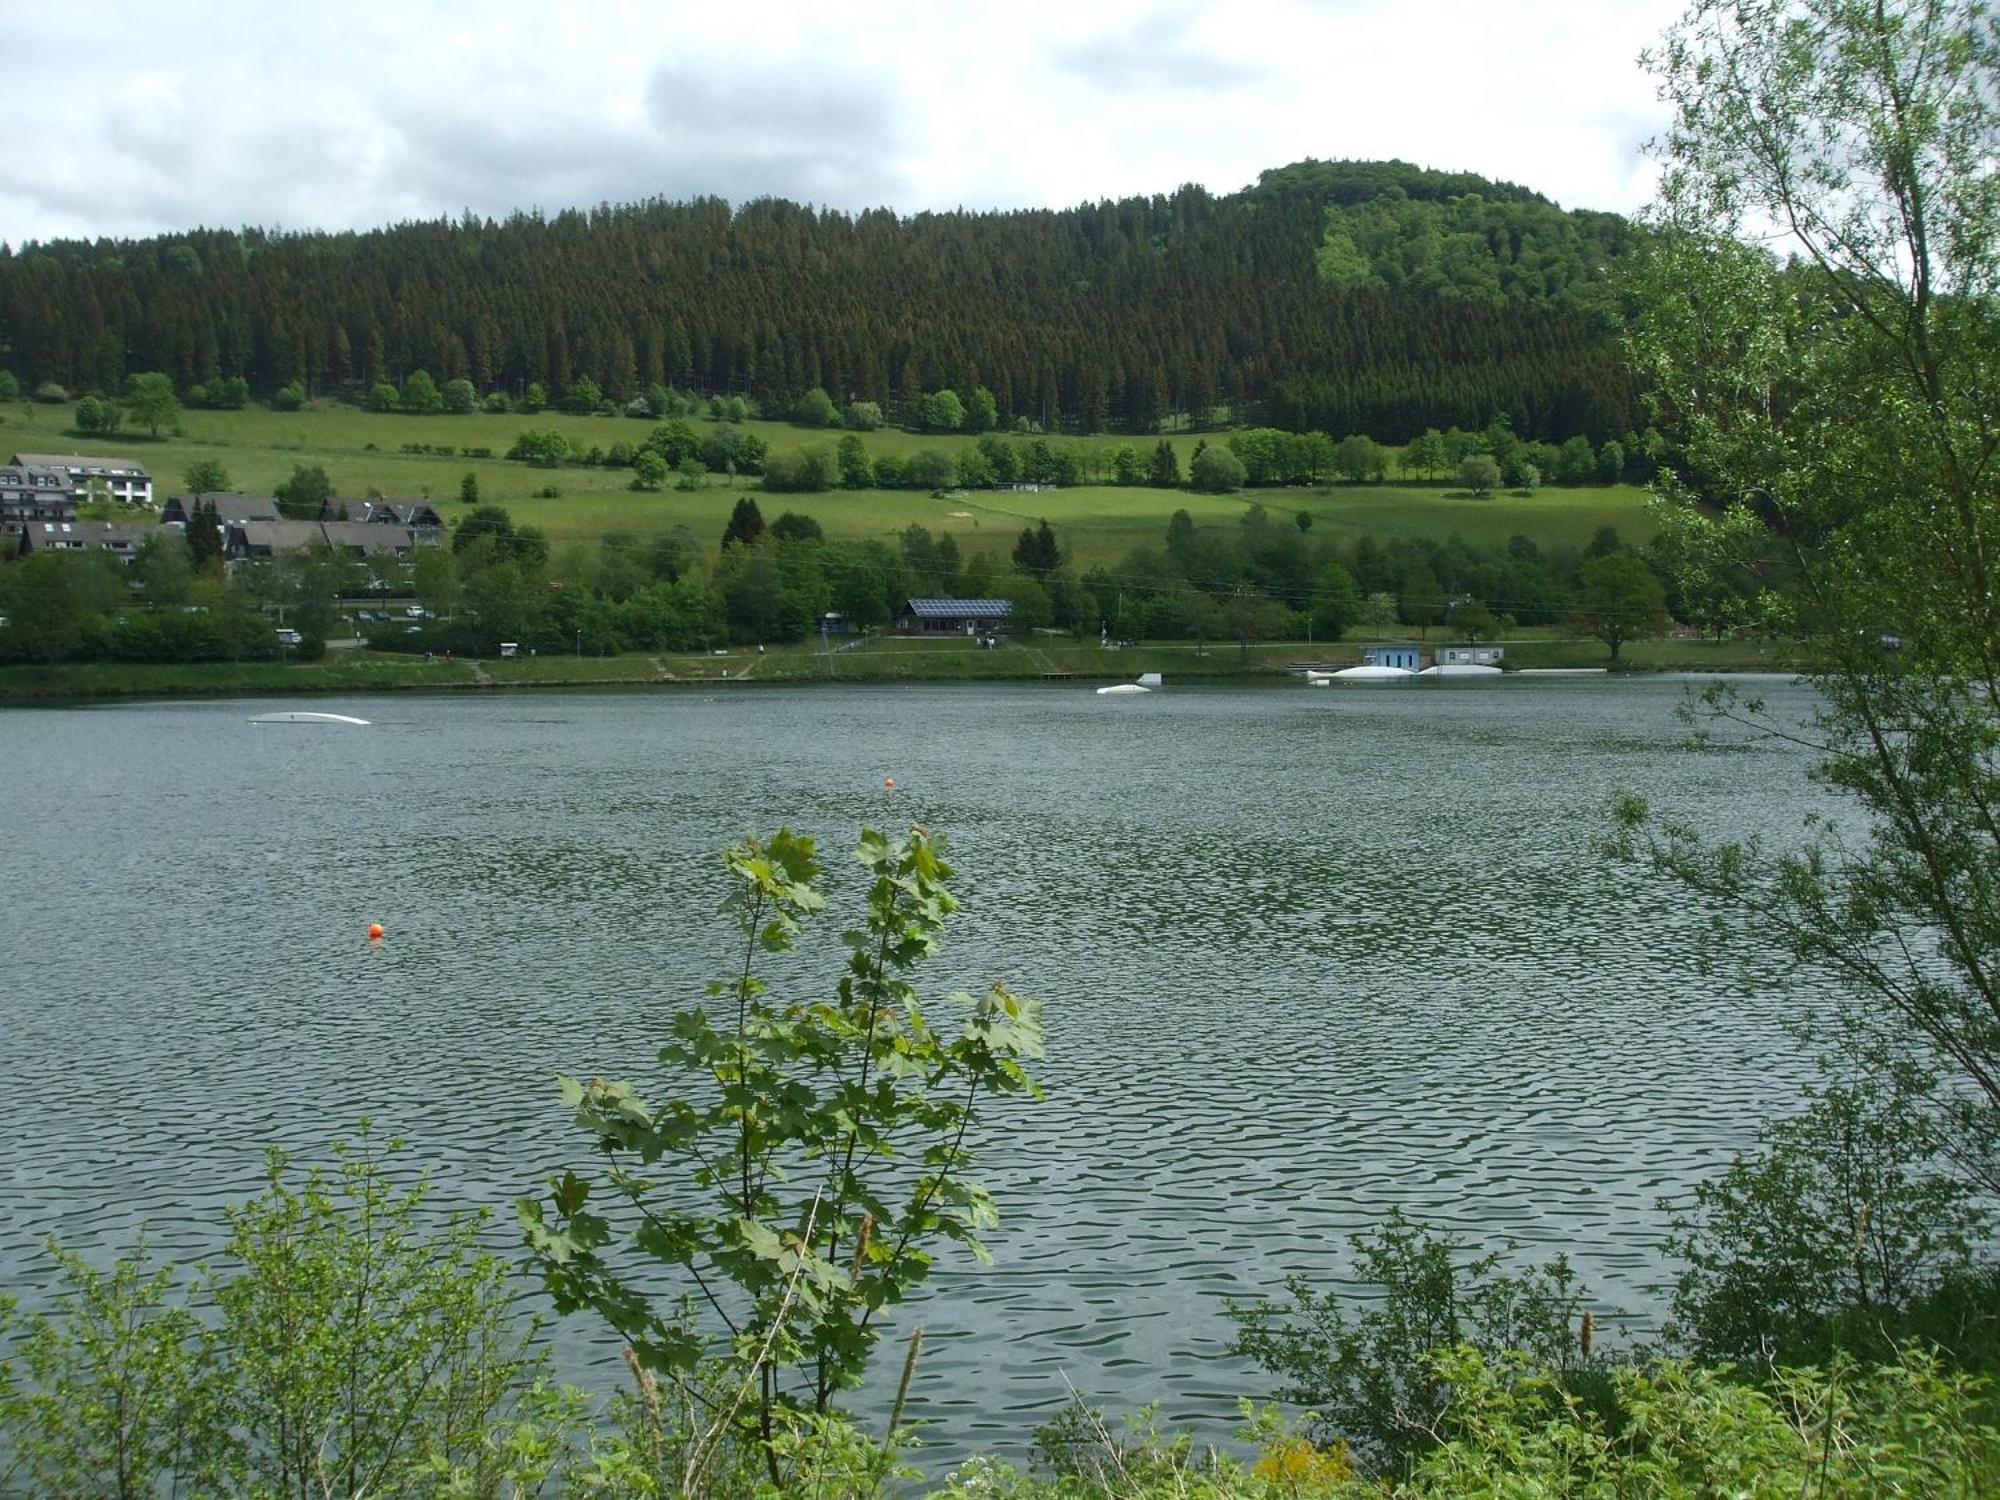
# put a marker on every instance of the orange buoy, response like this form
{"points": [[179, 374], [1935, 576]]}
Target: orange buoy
{"points": [[888, 783], [374, 932]]}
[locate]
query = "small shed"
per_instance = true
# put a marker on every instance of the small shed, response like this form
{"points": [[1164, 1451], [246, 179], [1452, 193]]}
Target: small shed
{"points": [[1408, 658], [1470, 656], [954, 617]]}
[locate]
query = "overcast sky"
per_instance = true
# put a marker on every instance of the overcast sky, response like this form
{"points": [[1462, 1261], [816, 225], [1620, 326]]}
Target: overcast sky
{"points": [[132, 120]]}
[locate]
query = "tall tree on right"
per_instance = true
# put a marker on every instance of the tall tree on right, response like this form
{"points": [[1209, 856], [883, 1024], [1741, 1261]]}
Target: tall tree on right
{"points": [[1835, 412]]}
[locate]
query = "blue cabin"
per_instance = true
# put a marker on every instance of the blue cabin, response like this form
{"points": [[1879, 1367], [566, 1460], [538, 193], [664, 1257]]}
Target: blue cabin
{"points": [[1409, 658]]}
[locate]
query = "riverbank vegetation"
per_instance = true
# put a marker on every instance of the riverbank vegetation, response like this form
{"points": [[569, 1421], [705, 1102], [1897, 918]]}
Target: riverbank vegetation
{"points": [[1264, 578]]}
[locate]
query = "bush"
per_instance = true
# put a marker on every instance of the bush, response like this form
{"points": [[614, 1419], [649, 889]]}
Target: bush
{"points": [[496, 404], [543, 447], [95, 416], [862, 416], [459, 396], [1902, 1428], [421, 396], [1216, 471], [649, 470], [1369, 1375], [802, 471], [583, 397], [351, 1351], [816, 409], [940, 411], [1845, 1230], [289, 397], [51, 394]]}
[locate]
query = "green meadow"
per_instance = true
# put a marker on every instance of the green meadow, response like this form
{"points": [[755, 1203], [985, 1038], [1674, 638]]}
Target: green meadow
{"points": [[1097, 523]]}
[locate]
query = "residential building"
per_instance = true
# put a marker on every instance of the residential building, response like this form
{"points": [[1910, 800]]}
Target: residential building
{"points": [[366, 539], [125, 479], [120, 538], [418, 515], [232, 508], [32, 494]]}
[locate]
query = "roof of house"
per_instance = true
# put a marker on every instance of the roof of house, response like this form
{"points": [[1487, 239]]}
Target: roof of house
{"points": [[380, 512], [368, 536], [22, 477], [277, 536], [958, 609], [99, 464], [121, 535], [230, 505], [282, 536]]}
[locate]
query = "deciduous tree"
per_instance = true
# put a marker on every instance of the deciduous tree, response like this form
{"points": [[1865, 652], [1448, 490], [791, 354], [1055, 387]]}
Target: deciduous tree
{"points": [[150, 401], [1837, 412], [1618, 600]]}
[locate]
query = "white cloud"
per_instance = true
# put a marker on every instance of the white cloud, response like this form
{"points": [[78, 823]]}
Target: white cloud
{"points": [[364, 113]]}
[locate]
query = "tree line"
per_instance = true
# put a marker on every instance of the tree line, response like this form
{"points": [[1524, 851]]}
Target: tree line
{"points": [[1113, 315]]}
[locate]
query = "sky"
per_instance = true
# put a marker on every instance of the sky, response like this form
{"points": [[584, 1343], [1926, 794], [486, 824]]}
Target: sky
{"points": [[357, 113]]}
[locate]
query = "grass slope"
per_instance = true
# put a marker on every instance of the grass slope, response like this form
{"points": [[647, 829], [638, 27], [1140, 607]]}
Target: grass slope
{"points": [[1097, 524]]}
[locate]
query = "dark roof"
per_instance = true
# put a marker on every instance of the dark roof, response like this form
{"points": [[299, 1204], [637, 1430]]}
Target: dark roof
{"points": [[277, 535], [230, 506], [84, 462], [283, 536], [83, 536], [366, 536], [420, 513], [959, 609], [37, 482]]}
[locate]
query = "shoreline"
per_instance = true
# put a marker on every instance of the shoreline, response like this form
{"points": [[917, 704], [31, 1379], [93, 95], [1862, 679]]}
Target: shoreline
{"points": [[1066, 665]]}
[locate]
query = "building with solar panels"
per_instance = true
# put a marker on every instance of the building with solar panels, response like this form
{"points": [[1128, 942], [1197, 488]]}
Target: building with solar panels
{"points": [[974, 617]]}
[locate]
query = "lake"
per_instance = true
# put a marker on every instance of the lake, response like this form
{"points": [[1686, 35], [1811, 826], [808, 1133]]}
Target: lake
{"points": [[1306, 953]]}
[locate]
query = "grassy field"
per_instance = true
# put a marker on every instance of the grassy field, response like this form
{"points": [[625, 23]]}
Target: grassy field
{"points": [[352, 673], [259, 448]]}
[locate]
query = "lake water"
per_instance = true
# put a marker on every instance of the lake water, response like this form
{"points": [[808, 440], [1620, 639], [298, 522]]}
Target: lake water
{"points": [[1306, 953]]}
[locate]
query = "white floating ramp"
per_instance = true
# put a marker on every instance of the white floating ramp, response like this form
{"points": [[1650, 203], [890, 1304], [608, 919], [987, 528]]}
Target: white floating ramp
{"points": [[306, 718], [1460, 669], [1122, 690], [1363, 674]]}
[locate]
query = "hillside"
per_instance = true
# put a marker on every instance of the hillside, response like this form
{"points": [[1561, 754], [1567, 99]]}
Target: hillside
{"points": [[1348, 296]]}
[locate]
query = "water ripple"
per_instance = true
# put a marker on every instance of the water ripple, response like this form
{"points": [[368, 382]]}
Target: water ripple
{"points": [[1306, 955]]}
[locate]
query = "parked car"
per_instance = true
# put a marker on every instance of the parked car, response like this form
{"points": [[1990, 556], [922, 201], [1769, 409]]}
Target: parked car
{"points": [[288, 637]]}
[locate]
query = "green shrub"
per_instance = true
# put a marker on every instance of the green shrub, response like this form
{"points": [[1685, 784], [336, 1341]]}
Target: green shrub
{"points": [[808, 1156], [1369, 1375], [341, 1346], [1847, 1228]]}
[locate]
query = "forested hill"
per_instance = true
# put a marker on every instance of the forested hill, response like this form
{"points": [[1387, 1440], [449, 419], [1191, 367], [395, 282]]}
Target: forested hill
{"points": [[1349, 296]]}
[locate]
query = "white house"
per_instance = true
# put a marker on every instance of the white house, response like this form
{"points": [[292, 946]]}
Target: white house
{"points": [[126, 479]]}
